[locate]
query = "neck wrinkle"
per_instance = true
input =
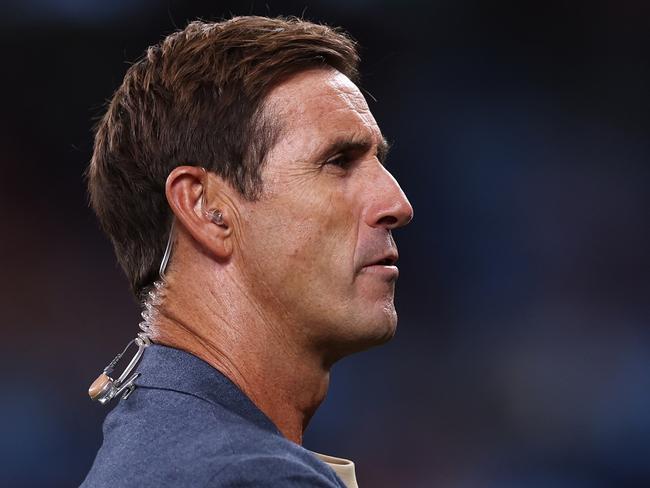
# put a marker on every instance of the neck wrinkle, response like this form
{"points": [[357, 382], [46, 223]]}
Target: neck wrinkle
{"points": [[285, 382]]}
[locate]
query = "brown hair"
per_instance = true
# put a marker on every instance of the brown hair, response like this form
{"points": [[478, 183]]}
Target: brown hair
{"points": [[196, 98]]}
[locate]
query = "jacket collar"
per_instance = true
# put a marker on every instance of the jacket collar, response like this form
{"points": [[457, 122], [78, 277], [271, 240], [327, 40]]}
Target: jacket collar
{"points": [[167, 368]]}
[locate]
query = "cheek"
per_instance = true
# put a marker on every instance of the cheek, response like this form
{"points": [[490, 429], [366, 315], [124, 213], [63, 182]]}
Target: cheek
{"points": [[325, 242], [317, 245], [308, 236]]}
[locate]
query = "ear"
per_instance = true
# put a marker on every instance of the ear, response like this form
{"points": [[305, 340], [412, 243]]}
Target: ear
{"points": [[194, 205]]}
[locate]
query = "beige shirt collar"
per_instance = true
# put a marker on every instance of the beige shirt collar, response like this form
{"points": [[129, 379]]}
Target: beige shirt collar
{"points": [[343, 468]]}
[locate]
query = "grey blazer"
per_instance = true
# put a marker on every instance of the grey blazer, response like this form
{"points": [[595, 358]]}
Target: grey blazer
{"points": [[186, 424]]}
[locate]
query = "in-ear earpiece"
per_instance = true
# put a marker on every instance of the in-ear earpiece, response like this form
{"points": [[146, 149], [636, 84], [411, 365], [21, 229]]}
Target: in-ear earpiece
{"points": [[215, 216]]}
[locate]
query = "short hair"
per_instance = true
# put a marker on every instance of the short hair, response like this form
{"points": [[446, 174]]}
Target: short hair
{"points": [[196, 98]]}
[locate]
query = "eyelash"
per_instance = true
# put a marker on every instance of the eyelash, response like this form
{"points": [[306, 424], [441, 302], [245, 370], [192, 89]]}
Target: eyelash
{"points": [[340, 160]]}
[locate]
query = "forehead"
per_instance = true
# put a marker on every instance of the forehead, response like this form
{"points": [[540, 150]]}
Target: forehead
{"points": [[320, 104]]}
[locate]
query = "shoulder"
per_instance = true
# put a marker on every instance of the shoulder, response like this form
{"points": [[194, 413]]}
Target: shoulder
{"points": [[272, 470], [166, 421], [167, 438], [170, 438]]}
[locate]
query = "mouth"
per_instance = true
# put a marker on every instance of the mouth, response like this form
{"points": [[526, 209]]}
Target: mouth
{"points": [[385, 265], [388, 259]]}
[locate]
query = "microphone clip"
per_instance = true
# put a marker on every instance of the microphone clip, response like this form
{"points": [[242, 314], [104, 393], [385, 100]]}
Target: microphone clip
{"points": [[105, 388]]}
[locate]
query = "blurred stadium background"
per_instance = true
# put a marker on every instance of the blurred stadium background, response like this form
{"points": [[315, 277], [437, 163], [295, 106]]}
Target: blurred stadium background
{"points": [[520, 133]]}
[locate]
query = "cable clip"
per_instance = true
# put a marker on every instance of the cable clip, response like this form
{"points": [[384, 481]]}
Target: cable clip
{"points": [[105, 388]]}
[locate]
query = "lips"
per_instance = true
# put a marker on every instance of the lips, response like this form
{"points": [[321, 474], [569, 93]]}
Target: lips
{"points": [[388, 258], [383, 267]]}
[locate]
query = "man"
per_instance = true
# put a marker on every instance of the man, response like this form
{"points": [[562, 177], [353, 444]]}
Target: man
{"points": [[242, 156]]}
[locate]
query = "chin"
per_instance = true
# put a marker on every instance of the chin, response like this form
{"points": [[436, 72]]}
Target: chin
{"points": [[386, 327], [352, 329], [376, 317], [371, 330]]}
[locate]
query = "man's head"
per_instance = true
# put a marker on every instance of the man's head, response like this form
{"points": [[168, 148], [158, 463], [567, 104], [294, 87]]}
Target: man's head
{"points": [[293, 156], [196, 99], [320, 234]]}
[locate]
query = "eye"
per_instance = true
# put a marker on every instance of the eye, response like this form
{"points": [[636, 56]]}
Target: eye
{"points": [[340, 160]]}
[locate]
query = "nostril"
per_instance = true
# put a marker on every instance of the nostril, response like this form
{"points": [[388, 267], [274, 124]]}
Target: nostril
{"points": [[387, 220]]}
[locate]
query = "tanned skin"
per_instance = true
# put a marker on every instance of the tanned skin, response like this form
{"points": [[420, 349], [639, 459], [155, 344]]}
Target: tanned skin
{"points": [[291, 282]]}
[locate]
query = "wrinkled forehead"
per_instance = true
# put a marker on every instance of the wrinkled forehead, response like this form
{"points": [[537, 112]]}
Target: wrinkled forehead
{"points": [[321, 103]]}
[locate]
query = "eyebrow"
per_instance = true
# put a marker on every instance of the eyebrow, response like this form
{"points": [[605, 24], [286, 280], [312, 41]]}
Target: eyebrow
{"points": [[356, 145]]}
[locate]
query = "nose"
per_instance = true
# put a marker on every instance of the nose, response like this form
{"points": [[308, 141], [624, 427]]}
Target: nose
{"points": [[389, 207]]}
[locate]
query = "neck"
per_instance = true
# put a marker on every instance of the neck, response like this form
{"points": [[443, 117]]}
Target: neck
{"points": [[283, 379]]}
